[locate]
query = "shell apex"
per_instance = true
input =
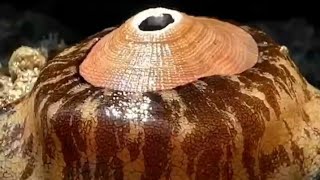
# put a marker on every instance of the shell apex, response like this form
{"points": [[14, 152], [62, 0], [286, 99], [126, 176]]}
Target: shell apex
{"points": [[160, 49]]}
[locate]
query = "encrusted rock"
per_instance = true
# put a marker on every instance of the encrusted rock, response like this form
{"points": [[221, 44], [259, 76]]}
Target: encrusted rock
{"points": [[24, 67]]}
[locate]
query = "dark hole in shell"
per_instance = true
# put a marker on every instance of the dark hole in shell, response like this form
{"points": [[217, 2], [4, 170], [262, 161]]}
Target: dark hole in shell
{"points": [[154, 23]]}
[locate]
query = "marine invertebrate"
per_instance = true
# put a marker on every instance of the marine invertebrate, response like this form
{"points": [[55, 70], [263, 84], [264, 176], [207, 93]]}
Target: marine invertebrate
{"points": [[260, 123], [162, 49]]}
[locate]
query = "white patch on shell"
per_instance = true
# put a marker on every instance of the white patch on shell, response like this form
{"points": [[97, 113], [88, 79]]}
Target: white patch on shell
{"points": [[138, 18]]}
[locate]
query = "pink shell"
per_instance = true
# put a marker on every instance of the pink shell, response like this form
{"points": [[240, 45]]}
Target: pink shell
{"points": [[130, 59]]}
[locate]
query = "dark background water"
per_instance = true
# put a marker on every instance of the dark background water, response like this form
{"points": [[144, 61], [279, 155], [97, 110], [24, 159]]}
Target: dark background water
{"points": [[87, 17], [292, 23]]}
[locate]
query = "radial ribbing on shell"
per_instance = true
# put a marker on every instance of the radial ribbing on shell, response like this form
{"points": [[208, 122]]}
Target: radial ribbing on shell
{"points": [[159, 49]]}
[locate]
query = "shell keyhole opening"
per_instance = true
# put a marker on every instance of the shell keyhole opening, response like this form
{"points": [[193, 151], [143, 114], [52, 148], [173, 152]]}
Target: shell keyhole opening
{"points": [[154, 23]]}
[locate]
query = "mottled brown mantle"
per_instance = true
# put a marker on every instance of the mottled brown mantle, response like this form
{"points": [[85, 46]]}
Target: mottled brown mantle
{"points": [[261, 124]]}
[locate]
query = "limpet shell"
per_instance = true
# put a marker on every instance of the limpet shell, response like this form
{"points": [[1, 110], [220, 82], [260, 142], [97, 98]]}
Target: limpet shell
{"points": [[179, 50]]}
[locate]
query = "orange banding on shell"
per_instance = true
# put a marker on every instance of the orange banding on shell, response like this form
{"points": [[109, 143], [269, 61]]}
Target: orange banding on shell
{"points": [[160, 49]]}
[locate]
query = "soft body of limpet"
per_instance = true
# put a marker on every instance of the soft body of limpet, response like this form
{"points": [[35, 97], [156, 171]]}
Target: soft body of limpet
{"points": [[261, 122]]}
